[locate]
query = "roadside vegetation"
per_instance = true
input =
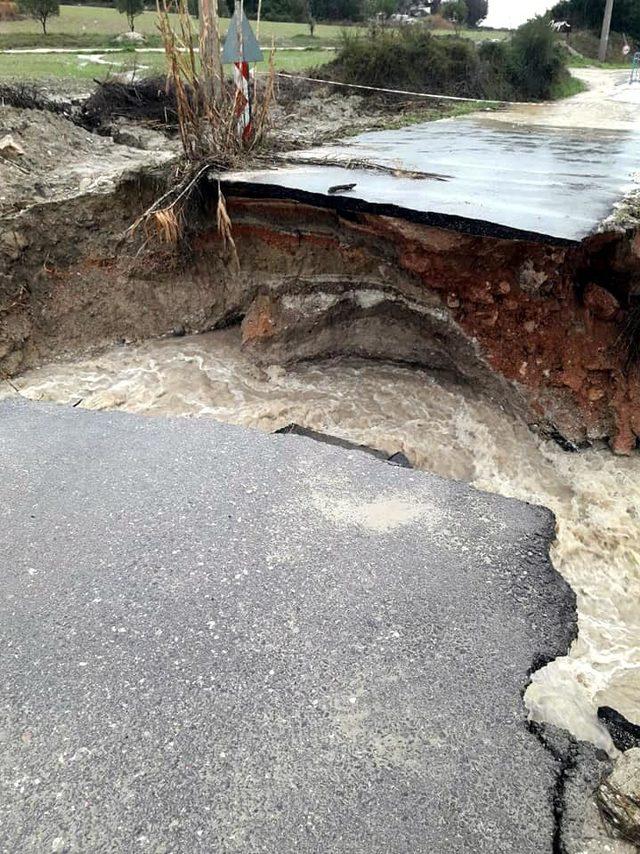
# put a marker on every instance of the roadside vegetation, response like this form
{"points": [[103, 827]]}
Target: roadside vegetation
{"points": [[444, 53], [584, 46], [530, 66], [585, 17]]}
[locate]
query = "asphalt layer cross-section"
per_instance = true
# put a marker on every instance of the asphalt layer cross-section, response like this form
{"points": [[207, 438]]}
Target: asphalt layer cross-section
{"points": [[481, 176], [215, 640]]}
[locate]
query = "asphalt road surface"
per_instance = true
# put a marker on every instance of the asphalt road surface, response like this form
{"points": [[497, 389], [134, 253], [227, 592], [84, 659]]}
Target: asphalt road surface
{"points": [[216, 640]]}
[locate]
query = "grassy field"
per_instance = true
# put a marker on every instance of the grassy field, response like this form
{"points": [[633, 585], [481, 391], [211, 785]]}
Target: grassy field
{"points": [[585, 62], [83, 66], [478, 35], [101, 26], [93, 27]]}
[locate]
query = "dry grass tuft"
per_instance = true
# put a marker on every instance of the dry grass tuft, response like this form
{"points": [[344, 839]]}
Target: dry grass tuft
{"points": [[207, 110], [224, 226], [206, 101], [166, 224]]}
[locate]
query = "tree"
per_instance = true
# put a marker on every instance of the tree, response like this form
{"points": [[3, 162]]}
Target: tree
{"points": [[338, 10], [385, 8], [456, 11], [223, 9], [41, 10], [589, 14], [537, 63], [477, 11], [130, 8]]}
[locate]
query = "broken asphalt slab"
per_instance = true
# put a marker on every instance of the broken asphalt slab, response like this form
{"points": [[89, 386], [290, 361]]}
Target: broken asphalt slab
{"points": [[488, 177], [214, 639]]}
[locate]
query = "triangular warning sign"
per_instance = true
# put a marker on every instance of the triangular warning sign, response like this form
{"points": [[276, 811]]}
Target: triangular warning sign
{"points": [[245, 49]]}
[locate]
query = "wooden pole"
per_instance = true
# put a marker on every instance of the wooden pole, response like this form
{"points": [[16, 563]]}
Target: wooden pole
{"points": [[211, 64], [258, 19], [606, 28]]}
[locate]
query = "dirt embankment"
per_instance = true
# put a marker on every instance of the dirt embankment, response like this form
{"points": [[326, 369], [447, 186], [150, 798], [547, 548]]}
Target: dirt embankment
{"points": [[539, 327], [543, 328]]}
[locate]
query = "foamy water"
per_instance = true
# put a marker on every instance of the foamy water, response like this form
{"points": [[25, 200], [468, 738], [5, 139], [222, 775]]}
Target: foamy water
{"points": [[595, 495]]}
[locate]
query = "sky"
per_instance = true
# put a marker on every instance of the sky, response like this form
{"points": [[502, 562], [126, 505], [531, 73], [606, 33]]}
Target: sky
{"points": [[512, 13]]}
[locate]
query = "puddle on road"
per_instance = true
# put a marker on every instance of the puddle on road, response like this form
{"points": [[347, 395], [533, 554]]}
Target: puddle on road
{"points": [[595, 495]]}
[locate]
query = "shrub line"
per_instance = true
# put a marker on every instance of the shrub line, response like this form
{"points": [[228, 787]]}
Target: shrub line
{"points": [[406, 91]]}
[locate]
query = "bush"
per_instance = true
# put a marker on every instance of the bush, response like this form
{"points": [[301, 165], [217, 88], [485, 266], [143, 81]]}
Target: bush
{"points": [[495, 64], [8, 11], [537, 64], [408, 57], [193, 7], [40, 10], [285, 10], [529, 67]]}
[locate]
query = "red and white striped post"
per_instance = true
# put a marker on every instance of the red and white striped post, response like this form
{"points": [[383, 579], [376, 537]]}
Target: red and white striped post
{"points": [[243, 100], [240, 48]]}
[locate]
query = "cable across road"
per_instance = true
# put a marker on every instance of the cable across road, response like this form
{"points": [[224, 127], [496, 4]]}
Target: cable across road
{"points": [[429, 96]]}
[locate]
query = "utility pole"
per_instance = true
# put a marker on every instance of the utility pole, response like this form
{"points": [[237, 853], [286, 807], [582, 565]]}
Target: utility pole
{"points": [[606, 27]]}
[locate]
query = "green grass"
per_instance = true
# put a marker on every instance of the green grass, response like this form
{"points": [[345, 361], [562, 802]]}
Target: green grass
{"points": [[84, 41], [568, 87], [93, 27], [97, 27], [585, 62], [478, 35], [79, 67]]}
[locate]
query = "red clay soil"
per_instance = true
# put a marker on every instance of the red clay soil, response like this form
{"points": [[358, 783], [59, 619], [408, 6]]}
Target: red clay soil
{"points": [[542, 317]]}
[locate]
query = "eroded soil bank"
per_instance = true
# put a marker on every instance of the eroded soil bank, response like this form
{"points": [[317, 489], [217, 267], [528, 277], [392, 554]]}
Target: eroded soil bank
{"points": [[513, 329], [545, 328]]}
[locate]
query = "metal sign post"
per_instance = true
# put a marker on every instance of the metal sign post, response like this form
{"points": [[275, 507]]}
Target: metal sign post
{"points": [[241, 48]]}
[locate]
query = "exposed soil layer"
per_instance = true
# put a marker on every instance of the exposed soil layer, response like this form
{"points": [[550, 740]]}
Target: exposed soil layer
{"points": [[62, 160], [537, 325], [546, 318]]}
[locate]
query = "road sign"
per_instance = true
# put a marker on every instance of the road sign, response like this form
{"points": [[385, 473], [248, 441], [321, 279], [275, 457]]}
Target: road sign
{"points": [[241, 45]]}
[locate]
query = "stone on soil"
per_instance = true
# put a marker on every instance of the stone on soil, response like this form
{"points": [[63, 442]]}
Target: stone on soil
{"points": [[619, 796]]}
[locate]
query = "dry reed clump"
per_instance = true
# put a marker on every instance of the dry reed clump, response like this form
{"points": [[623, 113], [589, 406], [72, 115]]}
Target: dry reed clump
{"points": [[208, 110], [207, 104]]}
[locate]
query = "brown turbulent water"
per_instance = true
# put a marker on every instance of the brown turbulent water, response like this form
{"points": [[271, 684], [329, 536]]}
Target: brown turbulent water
{"points": [[442, 429]]}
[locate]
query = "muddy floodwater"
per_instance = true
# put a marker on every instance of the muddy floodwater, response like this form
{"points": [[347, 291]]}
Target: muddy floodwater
{"points": [[442, 429]]}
